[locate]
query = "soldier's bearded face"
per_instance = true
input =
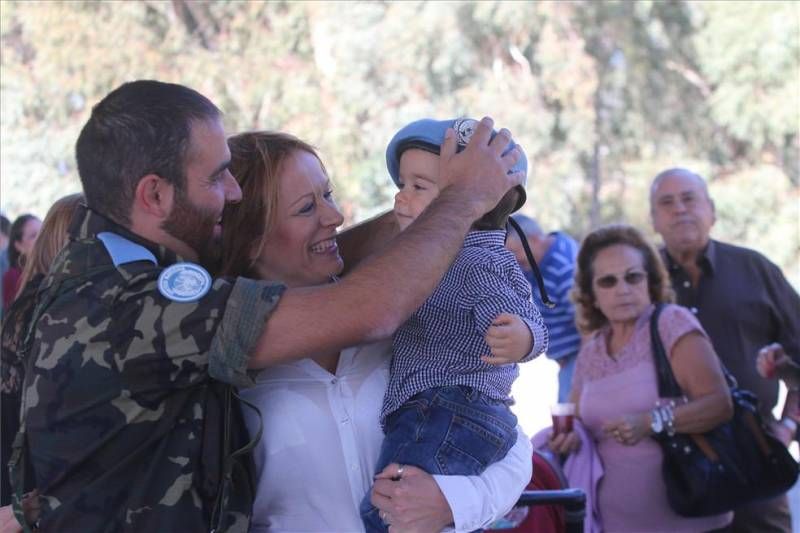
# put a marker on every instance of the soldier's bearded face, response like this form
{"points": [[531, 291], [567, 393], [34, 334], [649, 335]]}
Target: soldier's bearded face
{"points": [[195, 226], [196, 216]]}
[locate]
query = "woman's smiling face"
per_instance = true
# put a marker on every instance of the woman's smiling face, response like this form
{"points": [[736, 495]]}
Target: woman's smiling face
{"points": [[301, 250]]}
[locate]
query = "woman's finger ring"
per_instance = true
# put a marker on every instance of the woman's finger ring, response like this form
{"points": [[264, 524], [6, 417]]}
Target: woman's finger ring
{"points": [[400, 471]]}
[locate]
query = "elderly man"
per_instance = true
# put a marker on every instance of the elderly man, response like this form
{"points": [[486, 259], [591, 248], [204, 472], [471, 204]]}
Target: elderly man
{"points": [[741, 298], [555, 254]]}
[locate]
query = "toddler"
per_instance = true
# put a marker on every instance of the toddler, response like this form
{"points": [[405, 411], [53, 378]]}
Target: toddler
{"points": [[446, 408]]}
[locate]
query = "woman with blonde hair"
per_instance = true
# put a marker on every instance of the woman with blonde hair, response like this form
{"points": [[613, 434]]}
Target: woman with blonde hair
{"points": [[52, 238]]}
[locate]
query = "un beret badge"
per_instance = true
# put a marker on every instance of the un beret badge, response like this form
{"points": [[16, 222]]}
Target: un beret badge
{"points": [[464, 127], [184, 282]]}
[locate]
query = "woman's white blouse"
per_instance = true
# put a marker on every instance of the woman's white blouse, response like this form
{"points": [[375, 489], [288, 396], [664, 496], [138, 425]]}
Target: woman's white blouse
{"points": [[321, 441]]}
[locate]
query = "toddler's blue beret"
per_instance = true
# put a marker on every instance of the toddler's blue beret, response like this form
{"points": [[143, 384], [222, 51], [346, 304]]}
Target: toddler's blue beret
{"points": [[428, 134]]}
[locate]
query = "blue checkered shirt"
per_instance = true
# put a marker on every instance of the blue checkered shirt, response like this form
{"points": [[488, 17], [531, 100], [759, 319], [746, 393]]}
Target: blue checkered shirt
{"points": [[441, 344]]}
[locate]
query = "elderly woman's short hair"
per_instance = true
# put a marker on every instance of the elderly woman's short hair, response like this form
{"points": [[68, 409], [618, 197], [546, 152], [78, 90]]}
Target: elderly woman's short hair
{"points": [[588, 317]]}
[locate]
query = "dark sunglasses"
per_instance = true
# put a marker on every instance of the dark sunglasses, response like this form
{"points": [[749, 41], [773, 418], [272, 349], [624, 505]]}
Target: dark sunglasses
{"points": [[610, 281]]}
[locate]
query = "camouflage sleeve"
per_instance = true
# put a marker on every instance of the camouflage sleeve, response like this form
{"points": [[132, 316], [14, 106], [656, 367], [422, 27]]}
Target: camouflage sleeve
{"points": [[249, 303], [149, 344]]}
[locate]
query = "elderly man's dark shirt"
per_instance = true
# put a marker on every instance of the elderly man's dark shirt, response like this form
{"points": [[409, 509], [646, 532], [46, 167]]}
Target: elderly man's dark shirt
{"points": [[744, 303], [124, 422]]}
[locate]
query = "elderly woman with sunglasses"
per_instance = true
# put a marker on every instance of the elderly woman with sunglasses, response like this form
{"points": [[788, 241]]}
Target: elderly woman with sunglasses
{"points": [[618, 280]]}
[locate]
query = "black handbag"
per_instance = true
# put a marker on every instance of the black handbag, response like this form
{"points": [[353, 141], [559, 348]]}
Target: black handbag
{"points": [[733, 464]]}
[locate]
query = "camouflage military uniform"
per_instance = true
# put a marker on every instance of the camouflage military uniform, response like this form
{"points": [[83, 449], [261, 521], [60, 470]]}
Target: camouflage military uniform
{"points": [[124, 421], [12, 370]]}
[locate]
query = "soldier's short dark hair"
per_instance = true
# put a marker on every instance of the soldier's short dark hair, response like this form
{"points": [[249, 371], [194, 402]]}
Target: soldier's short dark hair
{"points": [[142, 127]]}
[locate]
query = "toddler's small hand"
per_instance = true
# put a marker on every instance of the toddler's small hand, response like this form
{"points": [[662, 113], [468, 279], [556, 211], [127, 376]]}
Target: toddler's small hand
{"points": [[509, 339]]}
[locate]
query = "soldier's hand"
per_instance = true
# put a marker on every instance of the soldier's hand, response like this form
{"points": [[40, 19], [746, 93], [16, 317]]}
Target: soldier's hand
{"points": [[479, 175]]}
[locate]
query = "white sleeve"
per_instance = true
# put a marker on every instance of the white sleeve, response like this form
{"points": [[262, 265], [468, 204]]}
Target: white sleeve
{"points": [[477, 501]]}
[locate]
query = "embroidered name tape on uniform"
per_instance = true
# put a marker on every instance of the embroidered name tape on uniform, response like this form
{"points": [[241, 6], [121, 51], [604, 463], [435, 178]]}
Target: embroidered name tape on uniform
{"points": [[184, 282]]}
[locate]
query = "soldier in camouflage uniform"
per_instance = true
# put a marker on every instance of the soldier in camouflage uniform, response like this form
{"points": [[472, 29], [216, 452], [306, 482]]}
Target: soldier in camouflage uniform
{"points": [[123, 419], [128, 420]]}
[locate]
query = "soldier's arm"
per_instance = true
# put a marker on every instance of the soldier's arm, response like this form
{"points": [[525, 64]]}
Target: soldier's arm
{"points": [[366, 238], [380, 293]]}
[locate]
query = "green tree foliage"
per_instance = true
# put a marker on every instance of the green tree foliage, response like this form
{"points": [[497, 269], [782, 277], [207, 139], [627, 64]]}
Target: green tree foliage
{"points": [[601, 95]]}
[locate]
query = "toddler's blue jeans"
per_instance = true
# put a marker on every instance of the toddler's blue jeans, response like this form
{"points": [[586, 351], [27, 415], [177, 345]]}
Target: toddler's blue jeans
{"points": [[453, 430]]}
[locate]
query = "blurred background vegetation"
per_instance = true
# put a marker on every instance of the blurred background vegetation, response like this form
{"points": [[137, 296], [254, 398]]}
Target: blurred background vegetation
{"points": [[602, 95]]}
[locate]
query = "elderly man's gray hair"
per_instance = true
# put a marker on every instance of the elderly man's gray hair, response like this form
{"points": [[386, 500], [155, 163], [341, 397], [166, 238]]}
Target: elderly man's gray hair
{"points": [[677, 171]]}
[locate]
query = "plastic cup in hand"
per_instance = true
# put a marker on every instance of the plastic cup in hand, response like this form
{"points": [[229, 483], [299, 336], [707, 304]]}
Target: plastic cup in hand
{"points": [[563, 415]]}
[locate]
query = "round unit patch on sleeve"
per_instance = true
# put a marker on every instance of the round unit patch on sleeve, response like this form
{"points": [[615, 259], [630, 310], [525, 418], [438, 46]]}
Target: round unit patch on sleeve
{"points": [[184, 282]]}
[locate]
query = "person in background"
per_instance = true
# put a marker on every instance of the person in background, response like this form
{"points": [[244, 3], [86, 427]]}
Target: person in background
{"points": [[741, 298], [619, 278], [22, 236], [52, 238], [555, 254], [285, 229], [774, 363], [5, 229]]}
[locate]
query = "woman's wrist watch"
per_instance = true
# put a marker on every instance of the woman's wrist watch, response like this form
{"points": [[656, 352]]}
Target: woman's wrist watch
{"points": [[656, 421]]}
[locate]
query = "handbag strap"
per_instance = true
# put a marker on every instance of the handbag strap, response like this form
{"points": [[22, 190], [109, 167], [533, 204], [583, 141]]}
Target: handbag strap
{"points": [[667, 384]]}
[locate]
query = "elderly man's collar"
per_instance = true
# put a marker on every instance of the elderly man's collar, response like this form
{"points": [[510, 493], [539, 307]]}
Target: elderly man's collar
{"points": [[87, 223], [706, 259], [709, 257]]}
